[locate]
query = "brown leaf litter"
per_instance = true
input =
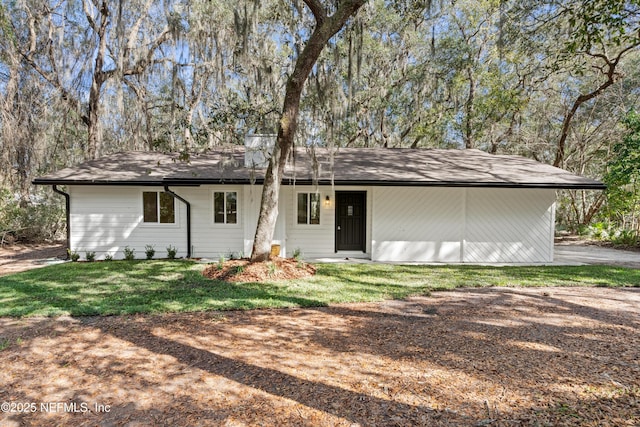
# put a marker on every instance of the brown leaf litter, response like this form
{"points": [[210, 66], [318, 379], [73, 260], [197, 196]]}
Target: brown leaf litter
{"points": [[475, 357]]}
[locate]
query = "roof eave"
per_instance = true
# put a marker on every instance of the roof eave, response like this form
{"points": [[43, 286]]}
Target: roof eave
{"points": [[288, 181], [472, 184], [464, 184], [145, 183]]}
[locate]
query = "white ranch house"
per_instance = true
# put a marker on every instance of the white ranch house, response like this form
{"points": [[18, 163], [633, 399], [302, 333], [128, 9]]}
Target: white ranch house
{"points": [[397, 205]]}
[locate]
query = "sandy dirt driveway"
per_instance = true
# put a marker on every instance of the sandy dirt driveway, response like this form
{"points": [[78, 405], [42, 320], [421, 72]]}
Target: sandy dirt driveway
{"points": [[476, 357], [17, 258]]}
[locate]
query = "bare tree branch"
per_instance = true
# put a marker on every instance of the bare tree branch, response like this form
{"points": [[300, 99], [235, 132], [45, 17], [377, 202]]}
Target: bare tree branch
{"points": [[611, 77]]}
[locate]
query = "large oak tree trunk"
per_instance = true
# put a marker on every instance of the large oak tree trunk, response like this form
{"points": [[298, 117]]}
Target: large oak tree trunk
{"points": [[326, 27]]}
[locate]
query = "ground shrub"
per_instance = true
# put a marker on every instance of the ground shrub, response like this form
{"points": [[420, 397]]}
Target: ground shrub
{"points": [[31, 221]]}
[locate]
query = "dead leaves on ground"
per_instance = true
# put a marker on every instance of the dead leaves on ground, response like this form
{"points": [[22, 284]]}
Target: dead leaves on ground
{"points": [[478, 357]]}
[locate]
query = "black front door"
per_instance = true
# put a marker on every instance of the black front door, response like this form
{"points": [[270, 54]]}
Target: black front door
{"points": [[351, 220]]}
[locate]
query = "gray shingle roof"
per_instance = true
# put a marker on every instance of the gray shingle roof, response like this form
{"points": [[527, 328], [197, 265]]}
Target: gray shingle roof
{"points": [[366, 166]]}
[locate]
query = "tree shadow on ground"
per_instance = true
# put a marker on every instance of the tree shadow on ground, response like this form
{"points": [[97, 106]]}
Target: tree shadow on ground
{"points": [[493, 335], [561, 361], [353, 406], [116, 287]]}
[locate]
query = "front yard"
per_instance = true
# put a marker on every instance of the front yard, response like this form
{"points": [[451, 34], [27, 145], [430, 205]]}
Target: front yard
{"points": [[471, 357], [120, 287], [360, 345]]}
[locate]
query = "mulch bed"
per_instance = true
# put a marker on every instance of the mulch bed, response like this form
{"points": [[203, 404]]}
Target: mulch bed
{"points": [[242, 270], [476, 357]]}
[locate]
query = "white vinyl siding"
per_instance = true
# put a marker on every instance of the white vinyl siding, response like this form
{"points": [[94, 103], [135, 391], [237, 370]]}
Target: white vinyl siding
{"points": [[209, 239], [318, 240], [313, 241], [251, 199], [105, 219], [417, 224], [509, 225], [404, 224], [476, 225]]}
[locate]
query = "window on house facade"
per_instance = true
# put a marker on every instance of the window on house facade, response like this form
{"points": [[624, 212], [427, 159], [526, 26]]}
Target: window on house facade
{"points": [[158, 207], [308, 208], [225, 207]]}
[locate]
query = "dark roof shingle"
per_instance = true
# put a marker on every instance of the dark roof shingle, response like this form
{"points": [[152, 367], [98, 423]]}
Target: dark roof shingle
{"points": [[367, 166]]}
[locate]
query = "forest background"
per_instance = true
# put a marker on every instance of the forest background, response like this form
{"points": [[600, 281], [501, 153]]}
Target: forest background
{"points": [[553, 80]]}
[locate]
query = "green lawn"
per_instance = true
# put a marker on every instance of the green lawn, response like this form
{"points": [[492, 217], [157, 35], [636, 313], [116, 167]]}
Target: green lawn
{"points": [[120, 287]]}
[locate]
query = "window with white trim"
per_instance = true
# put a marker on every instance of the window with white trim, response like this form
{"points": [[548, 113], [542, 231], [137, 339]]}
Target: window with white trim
{"points": [[158, 207], [308, 208], [225, 207]]}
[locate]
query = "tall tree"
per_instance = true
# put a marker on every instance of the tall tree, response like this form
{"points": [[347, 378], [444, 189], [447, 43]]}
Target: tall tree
{"points": [[501, 76], [601, 34], [25, 113], [112, 47], [326, 26], [623, 177]]}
